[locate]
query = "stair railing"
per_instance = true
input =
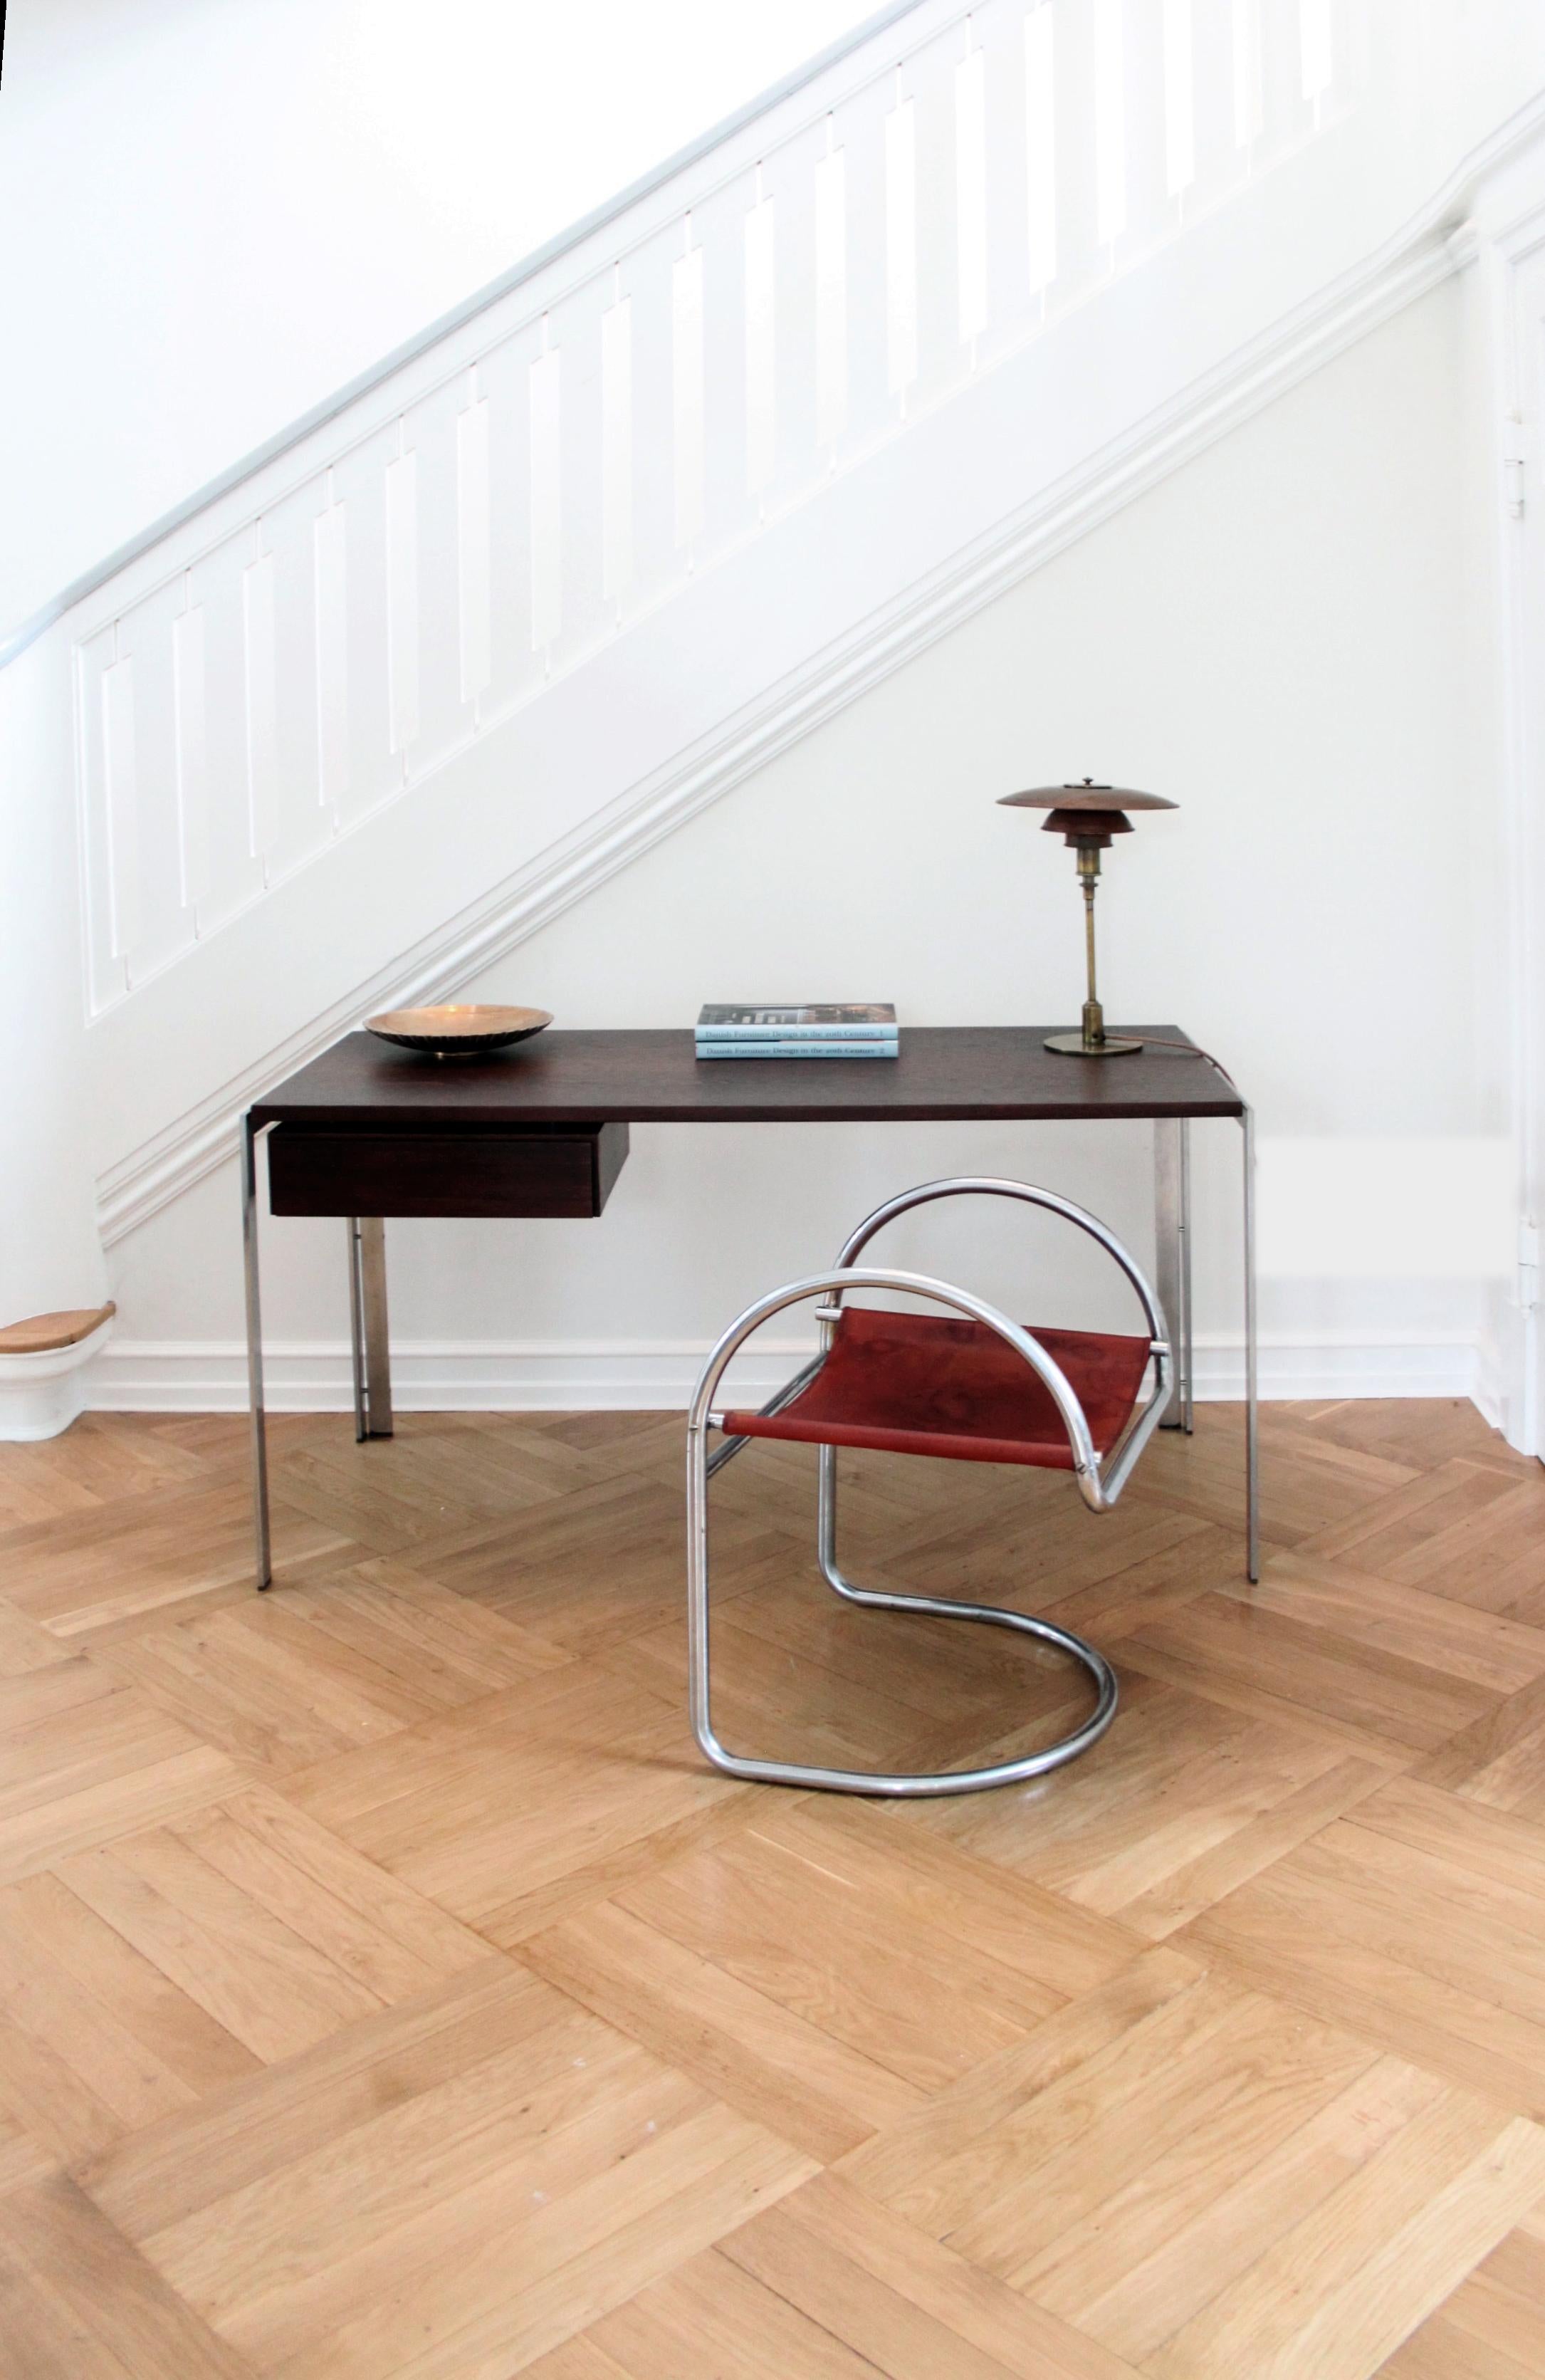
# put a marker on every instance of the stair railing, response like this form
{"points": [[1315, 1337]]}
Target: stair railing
{"points": [[435, 546]]}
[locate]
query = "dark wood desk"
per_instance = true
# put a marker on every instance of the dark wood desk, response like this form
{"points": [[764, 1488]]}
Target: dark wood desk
{"points": [[367, 1131]]}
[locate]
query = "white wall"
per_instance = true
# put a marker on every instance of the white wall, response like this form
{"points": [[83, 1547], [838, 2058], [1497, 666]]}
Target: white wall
{"points": [[1289, 638], [217, 211]]}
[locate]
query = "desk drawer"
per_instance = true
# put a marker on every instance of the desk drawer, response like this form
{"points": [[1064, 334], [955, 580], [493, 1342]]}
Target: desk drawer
{"points": [[533, 1170]]}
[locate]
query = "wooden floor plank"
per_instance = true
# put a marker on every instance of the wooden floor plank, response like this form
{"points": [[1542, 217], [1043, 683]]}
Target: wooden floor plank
{"points": [[1285, 1662], [53, 2234], [1451, 1528], [1440, 2349], [1182, 1778], [775, 2064], [172, 2170], [139, 1558], [83, 1759], [388, 1991], [532, 1802], [1263, 2083], [1312, 1483], [103, 1458], [556, 2089], [1384, 1616], [23, 2157], [1333, 2297], [252, 1973], [1417, 1434], [287, 1681], [95, 2041], [24, 1645], [518, 2263], [46, 2338], [1496, 2317], [624, 1536], [1137, 2306], [1301, 1933], [919, 1998], [920, 2164], [882, 1850], [713, 2321], [928, 2277], [1251, 1848]]}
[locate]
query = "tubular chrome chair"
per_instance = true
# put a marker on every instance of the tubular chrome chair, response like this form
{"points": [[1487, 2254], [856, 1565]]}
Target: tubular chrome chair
{"points": [[969, 1385]]}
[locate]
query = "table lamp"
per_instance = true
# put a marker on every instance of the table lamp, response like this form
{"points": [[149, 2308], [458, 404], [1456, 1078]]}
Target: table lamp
{"points": [[1087, 816]]}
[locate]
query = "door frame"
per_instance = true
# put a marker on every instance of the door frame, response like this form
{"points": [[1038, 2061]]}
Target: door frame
{"points": [[1510, 221]]}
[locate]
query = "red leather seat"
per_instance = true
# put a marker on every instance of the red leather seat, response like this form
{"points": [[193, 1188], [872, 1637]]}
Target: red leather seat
{"points": [[936, 1384]]}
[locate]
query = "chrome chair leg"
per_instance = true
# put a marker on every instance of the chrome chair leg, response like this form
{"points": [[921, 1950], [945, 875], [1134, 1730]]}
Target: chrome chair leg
{"points": [[1099, 1477], [896, 1784], [928, 1606]]}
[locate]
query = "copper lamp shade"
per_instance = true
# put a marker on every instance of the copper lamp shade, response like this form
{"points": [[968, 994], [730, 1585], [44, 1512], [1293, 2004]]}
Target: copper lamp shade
{"points": [[1087, 817]]}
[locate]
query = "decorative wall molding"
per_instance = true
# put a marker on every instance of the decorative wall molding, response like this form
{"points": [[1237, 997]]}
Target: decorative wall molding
{"points": [[535, 1376], [157, 1172]]}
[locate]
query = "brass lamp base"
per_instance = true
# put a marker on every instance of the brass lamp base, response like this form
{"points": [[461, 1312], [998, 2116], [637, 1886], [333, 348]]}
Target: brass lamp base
{"points": [[1092, 1041], [1073, 1045]]}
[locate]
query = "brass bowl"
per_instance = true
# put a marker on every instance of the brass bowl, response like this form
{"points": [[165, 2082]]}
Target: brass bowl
{"points": [[457, 1032]]}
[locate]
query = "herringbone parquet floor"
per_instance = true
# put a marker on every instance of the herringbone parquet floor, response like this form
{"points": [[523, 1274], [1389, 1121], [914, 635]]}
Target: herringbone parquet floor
{"points": [[387, 1989]]}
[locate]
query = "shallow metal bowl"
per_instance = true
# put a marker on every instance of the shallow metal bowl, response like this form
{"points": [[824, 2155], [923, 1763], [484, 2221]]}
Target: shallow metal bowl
{"points": [[457, 1032]]}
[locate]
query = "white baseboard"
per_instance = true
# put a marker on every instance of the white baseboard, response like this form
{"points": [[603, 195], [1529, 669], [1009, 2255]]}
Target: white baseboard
{"points": [[312, 1376], [430, 1376], [1294, 1368]]}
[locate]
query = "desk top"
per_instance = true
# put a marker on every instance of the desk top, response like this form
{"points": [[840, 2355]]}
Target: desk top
{"points": [[958, 1073]]}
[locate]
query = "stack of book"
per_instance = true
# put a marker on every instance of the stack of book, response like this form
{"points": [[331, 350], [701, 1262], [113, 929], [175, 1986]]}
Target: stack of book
{"points": [[845, 1029]]}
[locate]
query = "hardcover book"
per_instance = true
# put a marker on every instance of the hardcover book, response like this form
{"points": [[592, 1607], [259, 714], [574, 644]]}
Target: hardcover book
{"points": [[814, 1048], [854, 1020]]}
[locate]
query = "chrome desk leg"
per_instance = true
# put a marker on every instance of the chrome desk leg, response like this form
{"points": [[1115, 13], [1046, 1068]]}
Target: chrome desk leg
{"points": [[1172, 1217], [376, 1396], [263, 1562], [356, 1328], [1252, 1399], [1188, 1363]]}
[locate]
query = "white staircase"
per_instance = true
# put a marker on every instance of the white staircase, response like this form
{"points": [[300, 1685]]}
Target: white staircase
{"points": [[351, 726]]}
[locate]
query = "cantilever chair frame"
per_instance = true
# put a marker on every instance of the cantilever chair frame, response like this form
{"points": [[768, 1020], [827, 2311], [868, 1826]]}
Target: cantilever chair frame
{"points": [[1100, 1481]]}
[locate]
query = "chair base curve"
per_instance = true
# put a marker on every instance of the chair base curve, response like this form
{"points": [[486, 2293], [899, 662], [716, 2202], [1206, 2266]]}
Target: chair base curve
{"points": [[910, 1785]]}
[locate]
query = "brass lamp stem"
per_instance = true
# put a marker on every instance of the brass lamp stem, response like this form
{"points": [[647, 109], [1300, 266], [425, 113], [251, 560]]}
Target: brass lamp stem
{"points": [[1092, 1041], [1088, 876]]}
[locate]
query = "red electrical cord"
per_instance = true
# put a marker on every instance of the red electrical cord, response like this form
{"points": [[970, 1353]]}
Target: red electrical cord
{"points": [[1192, 1050]]}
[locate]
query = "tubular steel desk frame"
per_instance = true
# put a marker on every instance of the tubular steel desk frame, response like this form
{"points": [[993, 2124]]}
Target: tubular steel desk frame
{"points": [[369, 1130]]}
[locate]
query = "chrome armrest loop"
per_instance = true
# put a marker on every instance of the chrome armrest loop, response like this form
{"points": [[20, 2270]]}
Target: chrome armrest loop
{"points": [[998, 1187]]}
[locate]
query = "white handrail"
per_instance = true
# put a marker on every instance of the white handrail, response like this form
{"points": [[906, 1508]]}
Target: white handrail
{"points": [[483, 511], [16, 640]]}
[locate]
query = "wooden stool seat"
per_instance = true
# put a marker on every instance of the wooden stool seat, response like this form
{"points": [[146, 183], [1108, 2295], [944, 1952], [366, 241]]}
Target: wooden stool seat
{"points": [[41, 1334]]}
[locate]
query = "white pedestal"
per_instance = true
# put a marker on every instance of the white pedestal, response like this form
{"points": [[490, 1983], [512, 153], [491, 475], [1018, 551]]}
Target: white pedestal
{"points": [[41, 1394]]}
